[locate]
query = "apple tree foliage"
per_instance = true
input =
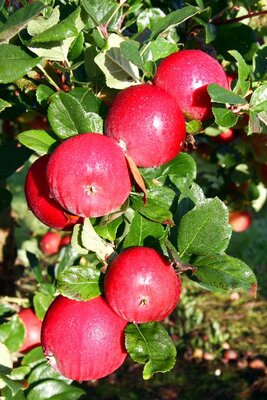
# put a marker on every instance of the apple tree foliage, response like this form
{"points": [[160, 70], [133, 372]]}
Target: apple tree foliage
{"points": [[65, 62]]}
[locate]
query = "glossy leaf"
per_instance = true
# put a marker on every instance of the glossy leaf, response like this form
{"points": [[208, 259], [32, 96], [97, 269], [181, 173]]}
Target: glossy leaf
{"points": [[242, 84], [258, 110], [42, 372], [223, 116], [259, 63], [67, 28], [158, 49], [54, 390], [12, 333], [41, 303], [34, 357], [129, 50], [43, 92], [173, 19], [14, 386], [80, 282], [19, 20], [143, 232], [109, 230], [14, 63], [151, 345], [221, 95], [38, 140], [41, 23], [6, 363], [223, 272], [205, 229], [67, 117], [119, 72], [87, 99]]}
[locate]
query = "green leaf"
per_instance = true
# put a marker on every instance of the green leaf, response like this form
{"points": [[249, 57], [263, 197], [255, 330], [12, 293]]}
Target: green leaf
{"points": [[258, 110], [193, 127], [12, 333], [76, 243], [147, 18], [182, 166], [100, 12], [69, 27], [157, 207], [119, 72], [43, 93], [54, 390], [41, 303], [6, 363], [14, 63], [87, 99], [223, 272], [4, 104], [53, 51], [38, 140], [14, 386], [67, 117], [242, 85], [143, 232], [158, 49], [221, 95], [223, 116], [151, 345], [68, 255], [34, 357], [173, 19], [129, 50], [42, 372], [19, 20], [205, 229], [5, 199], [259, 63], [109, 230], [41, 23], [80, 282]]}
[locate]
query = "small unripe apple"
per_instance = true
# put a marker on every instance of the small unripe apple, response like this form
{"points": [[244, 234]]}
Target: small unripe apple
{"points": [[185, 75], [88, 175], [141, 285], [32, 326], [148, 124], [83, 340], [240, 220], [50, 243], [46, 209]]}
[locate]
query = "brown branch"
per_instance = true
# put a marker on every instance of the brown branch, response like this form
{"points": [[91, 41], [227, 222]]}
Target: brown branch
{"points": [[237, 19]]}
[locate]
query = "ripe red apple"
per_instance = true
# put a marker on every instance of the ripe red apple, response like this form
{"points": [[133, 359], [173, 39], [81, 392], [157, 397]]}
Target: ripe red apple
{"points": [[225, 137], [88, 175], [148, 124], [83, 340], [240, 220], [46, 209], [65, 240], [141, 285], [185, 75], [50, 243], [32, 326]]}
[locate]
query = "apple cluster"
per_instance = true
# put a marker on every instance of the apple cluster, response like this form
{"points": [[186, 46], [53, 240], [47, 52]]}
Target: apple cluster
{"points": [[88, 175]]}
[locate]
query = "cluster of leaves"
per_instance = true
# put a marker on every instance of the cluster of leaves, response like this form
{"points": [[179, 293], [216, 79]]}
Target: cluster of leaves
{"points": [[65, 62]]}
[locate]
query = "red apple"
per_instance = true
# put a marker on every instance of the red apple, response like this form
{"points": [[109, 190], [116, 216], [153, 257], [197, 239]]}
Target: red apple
{"points": [[65, 240], [46, 209], [240, 220], [225, 137], [83, 340], [32, 326], [141, 285], [88, 175], [148, 124], [185, 75], [50, 243]]}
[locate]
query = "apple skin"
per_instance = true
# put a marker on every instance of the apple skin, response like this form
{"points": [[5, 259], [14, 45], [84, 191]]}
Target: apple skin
{"points": [[65, 240], [50, 243], [148, 124], [32, 326], [185, 75], [240, 220], [141, 285], [88, 175], [46, 209], [83, 340]]}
